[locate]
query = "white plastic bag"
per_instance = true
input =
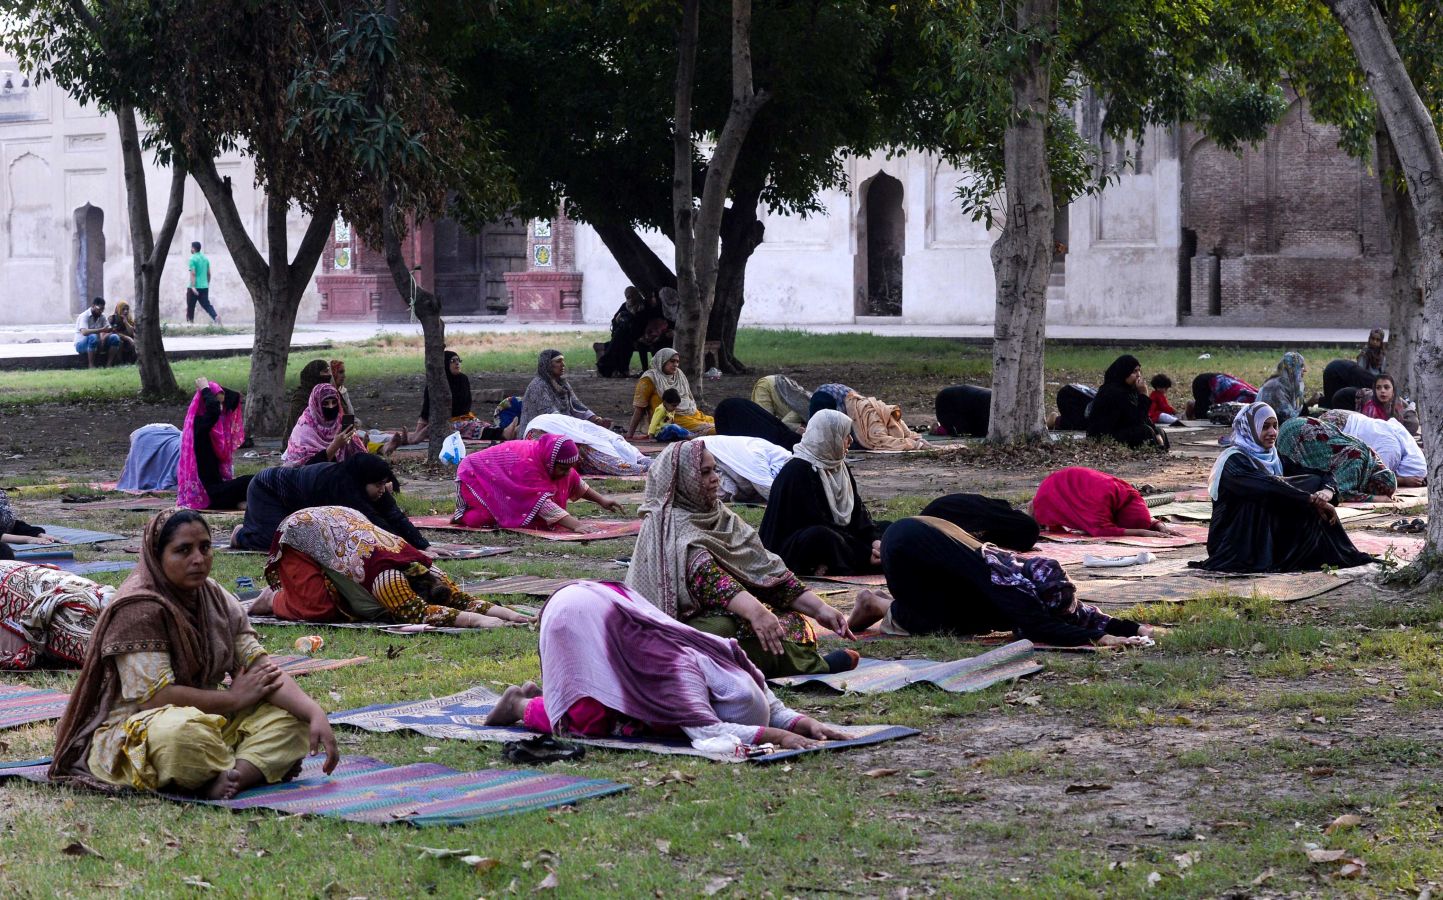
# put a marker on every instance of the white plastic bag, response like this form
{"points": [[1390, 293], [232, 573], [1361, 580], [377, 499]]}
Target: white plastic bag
{"points": [[453, 449]]}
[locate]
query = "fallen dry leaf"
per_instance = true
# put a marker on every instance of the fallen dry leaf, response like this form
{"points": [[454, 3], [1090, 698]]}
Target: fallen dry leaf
{"points": [[1347, 820], [879, 773], [1264, 878], [1087, 788], [196, 881], [663, 846], [1186, 860], [1319, 855], [481, 863], [76, 848], [550, 882], [715, 886], [1352, 868]]}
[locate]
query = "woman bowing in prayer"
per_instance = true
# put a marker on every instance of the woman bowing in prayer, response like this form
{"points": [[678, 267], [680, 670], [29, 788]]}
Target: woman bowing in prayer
{"points": [[46, 616], [153, 459], [1094, 503], [214, 429], [665, 373], [1265, 522], [1120, 409], [988, 519], [614, 665], [321, 433], [551, 392], [1396, 448], [747, 467], [330, 564], [944, 580], [149, 711], [741, 418], [784, 398], [697, 561], [1211, 388], [603, 451], [1357, 471], [524, 484], [815, 520]]}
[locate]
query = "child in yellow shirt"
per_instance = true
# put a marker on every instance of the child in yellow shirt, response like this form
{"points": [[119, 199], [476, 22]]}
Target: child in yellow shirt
{"points": [[665, 413]]}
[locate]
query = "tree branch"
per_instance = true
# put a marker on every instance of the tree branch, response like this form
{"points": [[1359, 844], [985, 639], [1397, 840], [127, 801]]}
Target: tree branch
{"points": [[248, 260], [174, 204]]}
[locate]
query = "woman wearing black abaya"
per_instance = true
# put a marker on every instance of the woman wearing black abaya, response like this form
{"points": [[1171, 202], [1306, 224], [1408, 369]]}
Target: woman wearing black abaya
{"points": [[1340, 375], [1120, 410], [1270, 514], [742, 418], [988, 519], [964, 409], [815, 521]]}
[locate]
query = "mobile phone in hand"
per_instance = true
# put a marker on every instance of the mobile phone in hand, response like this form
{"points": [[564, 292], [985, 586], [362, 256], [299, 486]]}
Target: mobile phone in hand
{"points": [[348, 421]]}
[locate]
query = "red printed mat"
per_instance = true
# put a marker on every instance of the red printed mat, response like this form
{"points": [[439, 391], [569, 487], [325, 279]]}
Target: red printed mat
{"points": [[1402, 547], [606, 529]]}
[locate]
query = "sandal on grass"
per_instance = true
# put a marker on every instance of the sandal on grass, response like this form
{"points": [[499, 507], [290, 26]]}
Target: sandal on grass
{"points": [[540, 750]]}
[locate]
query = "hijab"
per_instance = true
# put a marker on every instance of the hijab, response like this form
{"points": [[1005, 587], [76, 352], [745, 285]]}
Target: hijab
{"points": [[1372, 358], [149, 614], [226, 436], [368, 468], [1120, 370], [313, 432], [824, 445], [548, 393], [515, 479], [1246, 438], [796, 397], [675, 382], [1284, 391], [676, 519]]}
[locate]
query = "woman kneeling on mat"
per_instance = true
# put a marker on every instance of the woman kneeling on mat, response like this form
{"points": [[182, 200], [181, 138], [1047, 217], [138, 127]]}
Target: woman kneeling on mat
{"points": [[701, 563], [148, 710], [329, 564], [1094, 503], [524, 484], [945, 580], [46, 616], [614, 665]]}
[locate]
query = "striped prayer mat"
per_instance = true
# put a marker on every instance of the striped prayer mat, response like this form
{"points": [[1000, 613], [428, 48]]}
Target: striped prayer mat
{"points": [[606, 529], [75, 536], [362, 789], [870, 580], [960, 676], [460, 716], [20, 705]]}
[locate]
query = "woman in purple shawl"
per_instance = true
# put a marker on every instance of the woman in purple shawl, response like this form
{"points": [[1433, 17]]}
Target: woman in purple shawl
{"points": [[614, 664]]}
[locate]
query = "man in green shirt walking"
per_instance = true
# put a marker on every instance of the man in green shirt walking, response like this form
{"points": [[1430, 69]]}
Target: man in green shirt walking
{"points": [[199, 290]]}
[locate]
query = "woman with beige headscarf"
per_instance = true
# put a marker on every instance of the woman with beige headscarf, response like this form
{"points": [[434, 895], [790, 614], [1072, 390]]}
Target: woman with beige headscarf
{"points": [[665, 373], [699, 562]]}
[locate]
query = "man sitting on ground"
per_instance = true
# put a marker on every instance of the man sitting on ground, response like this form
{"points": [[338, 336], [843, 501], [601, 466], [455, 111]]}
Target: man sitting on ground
{"points": [[92, 330]]}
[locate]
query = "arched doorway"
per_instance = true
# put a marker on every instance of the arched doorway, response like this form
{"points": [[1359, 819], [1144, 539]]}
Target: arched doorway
{"points": [[881, 244], [89, 250]]}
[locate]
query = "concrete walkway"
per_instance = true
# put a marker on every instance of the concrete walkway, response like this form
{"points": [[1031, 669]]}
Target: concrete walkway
{"points": [[51, 346]]}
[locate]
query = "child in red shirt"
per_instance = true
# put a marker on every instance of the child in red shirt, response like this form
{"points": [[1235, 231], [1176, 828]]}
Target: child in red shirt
{"points": [[1161, 411]]}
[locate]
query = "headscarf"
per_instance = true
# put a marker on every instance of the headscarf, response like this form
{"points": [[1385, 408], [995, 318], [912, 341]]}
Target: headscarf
{"points": [[824, 446], [149, 614], [675, 382], [676, 520], [313, 434], [547, 393], [670, 303], [226, 436], [790, 392], [1284, 391], [1121, 368], [514, 480], [829, 396], [317, 371], [608, 643], [1371, 358], [1246, 438], [368, 468]]}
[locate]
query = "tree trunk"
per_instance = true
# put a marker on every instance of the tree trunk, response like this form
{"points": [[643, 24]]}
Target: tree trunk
{"points": [[742, 233], [1022, 255], [433, 329], [148, 254], [688, 342], [275, 285], [1415, 140], [1405, 306], [638, 262]]}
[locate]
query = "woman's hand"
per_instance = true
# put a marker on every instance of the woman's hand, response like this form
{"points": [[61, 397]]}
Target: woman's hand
{"points": [[509, 616], [255, 683], [338, 442], [876, 557], [28, 539], [1323, 507], [1112, 640], [609, 504], [321, 735], [1159, 527], [811, 728], [786, 740], [1151, 631], [768, 629], [602, 421], [833, 620]]}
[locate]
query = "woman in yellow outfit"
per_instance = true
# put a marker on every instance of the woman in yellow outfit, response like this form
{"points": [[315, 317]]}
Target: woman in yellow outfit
{"points": [[665, 372], [149, 712]]}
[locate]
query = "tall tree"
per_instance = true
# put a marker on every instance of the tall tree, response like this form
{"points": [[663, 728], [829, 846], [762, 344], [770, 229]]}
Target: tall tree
{"points": [[96, 55], [1413, 135]]}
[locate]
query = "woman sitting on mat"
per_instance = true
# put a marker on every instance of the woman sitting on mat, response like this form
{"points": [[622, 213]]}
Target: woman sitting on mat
{"points": [[1396, 448], [1374, 357], [148, 711], [524, 484], [1094, 503], [815, 520], [1212, 388], [614, 665], [943, 579], [364, 483], [551, 393], [152, 461], [963, 409], [322, 434], [1265, 522], [315, 372], [1358, 472], [14, 530], [46, 616], [329, 564], [214, 429], [747, 466], [988, 519], [700, 563], [665, 372], [603, 451], [1073, 402], [1284, 392], [784, 398], [463, 419], [1383, 402], [1120, 409], [738, 417]]}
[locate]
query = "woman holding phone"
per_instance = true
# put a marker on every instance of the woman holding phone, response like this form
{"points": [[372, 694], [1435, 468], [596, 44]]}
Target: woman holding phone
{"points": [[322, 433]]}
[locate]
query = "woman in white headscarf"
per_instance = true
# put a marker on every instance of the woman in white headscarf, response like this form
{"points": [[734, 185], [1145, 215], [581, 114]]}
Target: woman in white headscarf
{"points": [[815, 521], [665, 373], [1270, 514]]}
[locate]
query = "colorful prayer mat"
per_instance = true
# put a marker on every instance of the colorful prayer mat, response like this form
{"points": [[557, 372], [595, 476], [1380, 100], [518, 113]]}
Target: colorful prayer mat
{"points": [[1285, 588], [75, 536], [1402, 547], [1188, 536], [20, 705], [461, 716], [466, 551], [304, 665], [868, 580], [606, 529], [531, 585], [960, 676], [362, 789]]}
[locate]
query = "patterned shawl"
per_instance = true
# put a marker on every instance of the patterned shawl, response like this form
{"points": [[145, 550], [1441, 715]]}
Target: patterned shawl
{"points": [[677, 382], [225, 436], [824, 445], [148, 614], [1284, 391], [676, 519], [1356, 468], [313, 434], [549, 394], [878, 425], [51, 611], [514, 480], [342, 540]]}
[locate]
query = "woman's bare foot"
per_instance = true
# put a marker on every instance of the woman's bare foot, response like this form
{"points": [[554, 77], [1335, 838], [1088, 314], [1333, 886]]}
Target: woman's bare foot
{"points": [[512, 705], [264, 604], [232, 781], [869, 609]]}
